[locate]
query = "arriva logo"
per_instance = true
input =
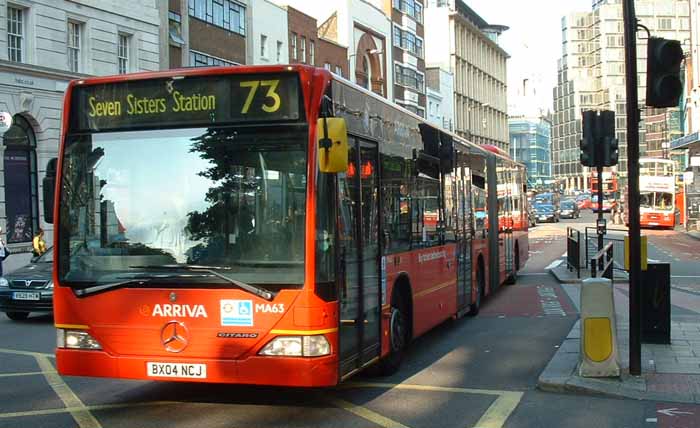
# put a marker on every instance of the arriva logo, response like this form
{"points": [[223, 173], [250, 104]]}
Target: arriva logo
{"points": [[174, 310]]}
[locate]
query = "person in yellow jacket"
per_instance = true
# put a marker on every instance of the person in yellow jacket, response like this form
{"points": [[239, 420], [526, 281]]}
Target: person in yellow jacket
{"points": [[38, 243]]}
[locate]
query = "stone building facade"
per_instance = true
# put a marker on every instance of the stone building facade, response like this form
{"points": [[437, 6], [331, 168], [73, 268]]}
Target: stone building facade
{"points": [[43, 45]]}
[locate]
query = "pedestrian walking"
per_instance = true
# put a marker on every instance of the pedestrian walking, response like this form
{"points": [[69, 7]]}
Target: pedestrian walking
{"points": [[4, 252], [38, 243]]}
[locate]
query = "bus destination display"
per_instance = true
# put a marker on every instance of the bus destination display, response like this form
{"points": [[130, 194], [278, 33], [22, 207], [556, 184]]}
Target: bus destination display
{"points": [[190, 101]]}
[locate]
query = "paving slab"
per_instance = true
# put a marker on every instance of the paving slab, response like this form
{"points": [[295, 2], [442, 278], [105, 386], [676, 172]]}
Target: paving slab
{"points": [[670, 373]]}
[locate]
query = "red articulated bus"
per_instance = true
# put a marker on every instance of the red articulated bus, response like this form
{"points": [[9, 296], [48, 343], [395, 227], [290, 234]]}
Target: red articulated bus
{"points": [[266, 225]]}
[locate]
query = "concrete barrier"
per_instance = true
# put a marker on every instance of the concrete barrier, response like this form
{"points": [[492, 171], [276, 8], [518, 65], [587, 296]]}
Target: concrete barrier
{"points": [[598, 332]]}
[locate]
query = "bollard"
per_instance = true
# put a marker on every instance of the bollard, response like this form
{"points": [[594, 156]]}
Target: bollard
{"points": [[598, 331]]}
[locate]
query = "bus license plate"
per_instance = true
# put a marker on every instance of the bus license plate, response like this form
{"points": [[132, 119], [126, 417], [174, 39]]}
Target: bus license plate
{"points": [[21, 295], [183, 370]]}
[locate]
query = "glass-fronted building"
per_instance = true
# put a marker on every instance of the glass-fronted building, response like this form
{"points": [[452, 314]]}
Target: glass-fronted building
{"points": [[530, 141]]}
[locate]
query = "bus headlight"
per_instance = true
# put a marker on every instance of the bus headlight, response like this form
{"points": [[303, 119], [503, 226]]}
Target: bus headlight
{"points": [[75, 339], [297, 346]]}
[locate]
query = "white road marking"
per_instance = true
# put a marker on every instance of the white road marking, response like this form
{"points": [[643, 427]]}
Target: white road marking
{"points": [[652, 420], [673, 411]]}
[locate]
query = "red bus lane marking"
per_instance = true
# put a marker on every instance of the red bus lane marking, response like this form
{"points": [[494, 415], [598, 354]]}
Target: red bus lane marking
{"points": [[529, 301], [677, 416]]}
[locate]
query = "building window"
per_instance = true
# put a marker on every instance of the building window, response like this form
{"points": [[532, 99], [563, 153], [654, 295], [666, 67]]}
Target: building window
{"points": [[408, 77], [123, 54], [263, 46], [665, 24], [74, 40], [20, 173], [175, 28], [411, 8], [293, 46], [280, 46], [15, 34], [226, 14], [409, 41], [198, 59], [303, 49], [338, 70], [327, 66], [312, 52]]}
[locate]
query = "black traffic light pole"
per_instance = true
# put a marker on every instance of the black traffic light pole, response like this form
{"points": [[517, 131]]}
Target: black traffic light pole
{"points": [[599, 170], [599, 149], [635, 297]]}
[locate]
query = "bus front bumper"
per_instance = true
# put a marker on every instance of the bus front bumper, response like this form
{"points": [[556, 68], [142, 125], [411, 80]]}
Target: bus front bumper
{"points": [[256, 370]]}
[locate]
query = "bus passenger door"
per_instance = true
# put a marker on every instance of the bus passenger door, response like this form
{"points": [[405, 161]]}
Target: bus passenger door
{"points": [[360, 291], [464, 238]]}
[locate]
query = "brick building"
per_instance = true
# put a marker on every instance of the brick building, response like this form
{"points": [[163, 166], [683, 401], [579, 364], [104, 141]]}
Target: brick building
{"points": [[307, 46], [204, 32]]}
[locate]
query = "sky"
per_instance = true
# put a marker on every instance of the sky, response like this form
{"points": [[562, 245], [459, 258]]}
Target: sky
{"points": [[533, 40]]}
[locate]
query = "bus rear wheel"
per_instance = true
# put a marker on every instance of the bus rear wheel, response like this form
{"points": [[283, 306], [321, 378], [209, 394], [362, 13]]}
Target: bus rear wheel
{"points": [[476, 306]]}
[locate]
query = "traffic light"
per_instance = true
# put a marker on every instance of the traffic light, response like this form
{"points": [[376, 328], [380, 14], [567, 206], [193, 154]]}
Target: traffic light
{"points": [[607, 137], [664, 85], [590, 137], [599, 145]]}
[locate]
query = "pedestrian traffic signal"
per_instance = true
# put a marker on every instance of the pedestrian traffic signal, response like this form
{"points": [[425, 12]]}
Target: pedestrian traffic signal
{"points": [[609, 142], [664, 85], [590, 136]]}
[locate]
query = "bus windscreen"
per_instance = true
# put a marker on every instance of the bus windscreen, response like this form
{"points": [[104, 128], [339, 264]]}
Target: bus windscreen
{"points": [[186, 101]]}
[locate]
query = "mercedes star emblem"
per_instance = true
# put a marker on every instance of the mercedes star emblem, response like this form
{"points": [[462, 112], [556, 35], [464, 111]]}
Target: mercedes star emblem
{"points": [[174, 336], [173, 297]]}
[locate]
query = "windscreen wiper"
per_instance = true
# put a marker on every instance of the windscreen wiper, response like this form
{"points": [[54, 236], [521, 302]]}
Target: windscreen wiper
{"points": [[258, 291], [94, 287]]}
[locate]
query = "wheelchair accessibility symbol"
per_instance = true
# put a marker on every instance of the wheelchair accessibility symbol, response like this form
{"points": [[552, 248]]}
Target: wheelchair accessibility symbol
{"points": [[237, 313]]}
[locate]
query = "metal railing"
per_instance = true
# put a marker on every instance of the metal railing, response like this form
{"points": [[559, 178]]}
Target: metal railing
{"points": [[573, 250], [602, 263], [613, 236]]}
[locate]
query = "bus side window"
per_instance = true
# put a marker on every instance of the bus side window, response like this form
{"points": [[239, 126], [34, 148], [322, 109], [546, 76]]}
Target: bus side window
{"points": [[396, 203], [425, 214]]}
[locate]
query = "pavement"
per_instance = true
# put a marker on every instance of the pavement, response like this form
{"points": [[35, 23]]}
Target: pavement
{"points": [[670, 373]]}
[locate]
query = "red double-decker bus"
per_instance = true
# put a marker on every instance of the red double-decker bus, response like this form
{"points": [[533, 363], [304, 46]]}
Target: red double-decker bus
{"points": [[266, 225]]}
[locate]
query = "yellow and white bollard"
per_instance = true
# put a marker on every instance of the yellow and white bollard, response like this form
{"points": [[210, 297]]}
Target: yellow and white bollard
{"points": [[598, 331]]}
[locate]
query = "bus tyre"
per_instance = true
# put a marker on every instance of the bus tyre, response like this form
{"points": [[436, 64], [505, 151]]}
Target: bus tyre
{"points": [[474, 307], [513, 277], [17, 316], [398, 328]]}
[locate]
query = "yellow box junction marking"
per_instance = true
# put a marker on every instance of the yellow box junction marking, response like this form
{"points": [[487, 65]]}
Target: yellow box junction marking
{"points": [[495, 417], [78, 410]]}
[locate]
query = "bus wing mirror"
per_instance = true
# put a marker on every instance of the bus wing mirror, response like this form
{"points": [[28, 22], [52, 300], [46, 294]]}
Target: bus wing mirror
{"points": [[49, 189], [332, 144]]}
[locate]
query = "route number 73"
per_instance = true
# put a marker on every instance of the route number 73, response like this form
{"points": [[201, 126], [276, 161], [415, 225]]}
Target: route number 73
{"points": [[271, 94]]}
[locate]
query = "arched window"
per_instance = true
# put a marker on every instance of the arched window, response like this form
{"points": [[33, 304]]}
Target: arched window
{"points": [[21, 201]]}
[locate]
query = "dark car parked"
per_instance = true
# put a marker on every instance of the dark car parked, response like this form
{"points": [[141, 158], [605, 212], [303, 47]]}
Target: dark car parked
{"points": [[546, 212], [569, 209], [28, 289]]}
